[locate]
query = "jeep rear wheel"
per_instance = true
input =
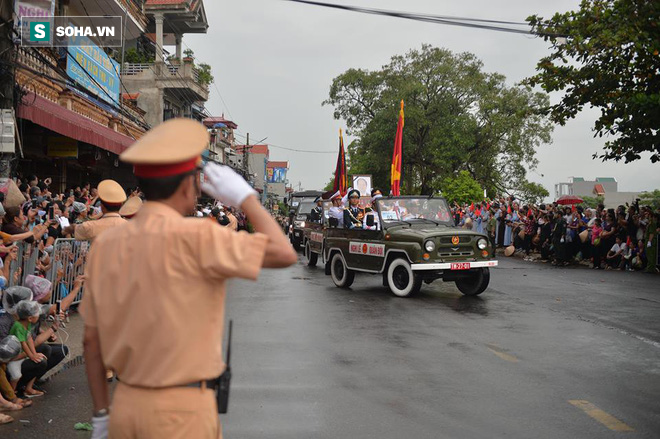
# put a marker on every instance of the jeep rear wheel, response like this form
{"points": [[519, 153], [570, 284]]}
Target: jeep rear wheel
{"points": [[476, 283], [401, 279], [312, 258], [341, 275]]}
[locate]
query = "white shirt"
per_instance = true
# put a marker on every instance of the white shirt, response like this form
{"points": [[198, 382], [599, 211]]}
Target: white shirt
{"points": [[338, 213], [616, 248]]}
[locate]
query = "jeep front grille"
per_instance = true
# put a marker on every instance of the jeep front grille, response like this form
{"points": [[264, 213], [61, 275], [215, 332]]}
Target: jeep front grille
{"points": [[461, 240], [452, 254]]}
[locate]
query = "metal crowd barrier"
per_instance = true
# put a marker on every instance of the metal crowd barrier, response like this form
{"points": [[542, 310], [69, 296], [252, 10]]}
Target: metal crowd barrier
{"points": [[26, 261], [67, 262]]}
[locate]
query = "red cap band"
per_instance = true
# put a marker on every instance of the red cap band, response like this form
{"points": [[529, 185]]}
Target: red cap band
{"points": [[107, 203], [170, 170]]}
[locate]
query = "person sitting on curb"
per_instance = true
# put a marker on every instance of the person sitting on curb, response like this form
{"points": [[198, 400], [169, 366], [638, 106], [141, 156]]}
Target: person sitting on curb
{"points": [[615, 255], [28, 312], [10, 348]]}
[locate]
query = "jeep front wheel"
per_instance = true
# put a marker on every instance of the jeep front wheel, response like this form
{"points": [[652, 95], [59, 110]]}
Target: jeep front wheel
{"points": [[401, 279], [476, 283], [312, 258], [341, 275]]}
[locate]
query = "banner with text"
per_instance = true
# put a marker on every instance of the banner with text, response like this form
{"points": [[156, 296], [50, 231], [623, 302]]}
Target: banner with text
{"points": [[92, 68]]}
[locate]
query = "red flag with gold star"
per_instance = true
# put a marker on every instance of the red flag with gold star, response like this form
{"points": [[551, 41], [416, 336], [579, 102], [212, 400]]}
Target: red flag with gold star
{"points": [[341, 177], [397, 157]]}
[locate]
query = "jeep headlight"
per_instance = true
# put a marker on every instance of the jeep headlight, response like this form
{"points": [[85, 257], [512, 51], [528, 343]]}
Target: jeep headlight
{"points": [[482, 243], [429, 246]]}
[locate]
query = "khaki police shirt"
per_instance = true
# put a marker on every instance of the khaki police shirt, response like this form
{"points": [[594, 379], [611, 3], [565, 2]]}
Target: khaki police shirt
{"points": [[89, 230], [156, 293]]}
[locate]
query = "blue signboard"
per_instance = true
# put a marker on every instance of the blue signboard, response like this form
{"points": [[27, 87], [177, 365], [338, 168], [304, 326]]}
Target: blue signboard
{"points": [[276, 175], [98, 65]]}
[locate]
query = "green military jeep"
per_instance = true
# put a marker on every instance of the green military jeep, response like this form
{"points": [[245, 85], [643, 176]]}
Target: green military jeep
{"points": [[314, 235], [414, 240]]}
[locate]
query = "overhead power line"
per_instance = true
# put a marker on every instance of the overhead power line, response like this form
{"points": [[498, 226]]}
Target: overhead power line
{"points": [[476, 23], [308, 151]]}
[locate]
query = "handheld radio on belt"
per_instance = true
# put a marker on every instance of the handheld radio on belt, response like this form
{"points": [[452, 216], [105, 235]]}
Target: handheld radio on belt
{"points": [[222, 392]]}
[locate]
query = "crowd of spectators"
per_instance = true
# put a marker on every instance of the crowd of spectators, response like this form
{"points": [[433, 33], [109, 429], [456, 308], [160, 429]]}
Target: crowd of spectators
{"points": [[31, 322], [226, 216], [625, 238]]}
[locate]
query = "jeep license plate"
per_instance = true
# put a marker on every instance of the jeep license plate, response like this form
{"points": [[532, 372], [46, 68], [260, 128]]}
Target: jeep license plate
{"points": [[460, 266]]}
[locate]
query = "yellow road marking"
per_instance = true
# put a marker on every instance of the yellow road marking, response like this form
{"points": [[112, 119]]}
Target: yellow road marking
{"points": [[606, 419], [500, 353]]}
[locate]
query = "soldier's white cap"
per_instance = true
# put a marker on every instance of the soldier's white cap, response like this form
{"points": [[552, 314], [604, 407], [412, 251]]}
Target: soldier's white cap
{"points": [[172, 148]]}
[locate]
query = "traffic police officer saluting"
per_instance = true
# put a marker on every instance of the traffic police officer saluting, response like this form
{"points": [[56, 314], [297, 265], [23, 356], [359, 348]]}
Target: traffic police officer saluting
{"points": [[112, 198], [155, 294]]}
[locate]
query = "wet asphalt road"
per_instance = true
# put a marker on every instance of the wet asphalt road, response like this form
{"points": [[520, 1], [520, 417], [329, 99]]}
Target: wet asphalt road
{"points": [[544, 353]]}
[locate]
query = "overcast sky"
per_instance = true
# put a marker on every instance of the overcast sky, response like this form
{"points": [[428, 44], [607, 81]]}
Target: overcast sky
{"points": [[274, 61]]}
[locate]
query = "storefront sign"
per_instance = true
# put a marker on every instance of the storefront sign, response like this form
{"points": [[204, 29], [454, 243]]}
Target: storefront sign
{"points": [[32, 8], [85, 63], [62, 147]]}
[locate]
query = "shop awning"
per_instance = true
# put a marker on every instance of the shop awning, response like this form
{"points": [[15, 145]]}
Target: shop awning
{"points": [[67, 123]]}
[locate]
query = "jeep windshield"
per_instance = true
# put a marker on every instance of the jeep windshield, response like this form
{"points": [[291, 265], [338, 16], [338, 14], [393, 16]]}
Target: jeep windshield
{"points": [[305, 209], [412, 211]]}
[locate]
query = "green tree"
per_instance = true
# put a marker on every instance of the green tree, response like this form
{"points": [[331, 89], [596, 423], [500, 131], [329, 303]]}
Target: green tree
{"points": [[461, 188], [650, 199], [189, 53], [283, 208], [609, 60], [135, 56], [533, 193], [458, 118], [592, 202], [330, 185], [204, 74]]}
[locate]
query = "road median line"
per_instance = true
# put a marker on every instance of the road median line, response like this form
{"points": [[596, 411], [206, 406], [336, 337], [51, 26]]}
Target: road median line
{"points": [[500, 353], [599, 415]]}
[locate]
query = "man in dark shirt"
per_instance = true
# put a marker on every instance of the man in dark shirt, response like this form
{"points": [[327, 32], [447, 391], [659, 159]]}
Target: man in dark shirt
{"points": [[316, 216]]}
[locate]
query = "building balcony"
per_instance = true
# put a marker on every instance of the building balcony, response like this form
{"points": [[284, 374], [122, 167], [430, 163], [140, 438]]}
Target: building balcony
{"points": [[184, 78], [133, 10]]}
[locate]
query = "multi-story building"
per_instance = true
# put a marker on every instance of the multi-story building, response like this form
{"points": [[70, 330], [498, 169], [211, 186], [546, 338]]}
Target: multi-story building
{"points": [[586, 188], [606, 187], [222, 148], [253, 162], [74, 118], [171, 86], [276, 180]]}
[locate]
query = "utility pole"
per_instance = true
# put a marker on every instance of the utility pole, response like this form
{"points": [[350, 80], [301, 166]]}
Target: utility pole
{"points": [[7, 74], [245, 158]]}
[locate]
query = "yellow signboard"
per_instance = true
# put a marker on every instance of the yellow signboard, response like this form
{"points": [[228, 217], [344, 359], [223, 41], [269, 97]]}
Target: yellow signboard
{"points": [[62, 147]]}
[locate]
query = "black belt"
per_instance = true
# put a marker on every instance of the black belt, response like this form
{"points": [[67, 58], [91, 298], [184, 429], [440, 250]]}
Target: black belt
{"points": [[210, 384]]}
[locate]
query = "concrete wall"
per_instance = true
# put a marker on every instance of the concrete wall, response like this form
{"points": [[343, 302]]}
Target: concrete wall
{"points": [[586, 188], [150, 100], [277, 189], [257, 165], [616, 199]]}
